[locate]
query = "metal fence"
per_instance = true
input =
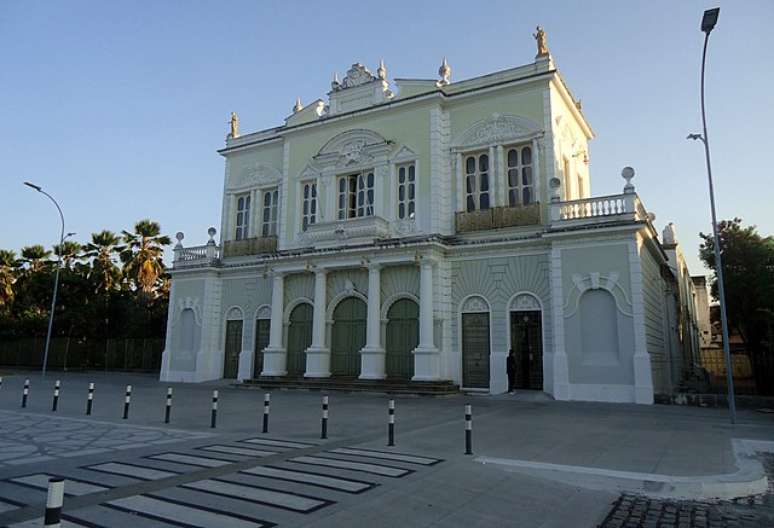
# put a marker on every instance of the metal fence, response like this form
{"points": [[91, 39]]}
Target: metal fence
{"points": [[753, 373], [72, 353]]}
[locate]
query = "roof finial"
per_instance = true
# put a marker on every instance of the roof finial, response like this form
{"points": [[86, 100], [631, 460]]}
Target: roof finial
{"points": [[335, 84], [542, 44], [298, 106], [445, 73], [381, 72]]}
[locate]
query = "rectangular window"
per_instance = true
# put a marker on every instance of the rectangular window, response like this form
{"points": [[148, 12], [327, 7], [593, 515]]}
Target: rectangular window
{"points": [[309, 207], [356, 195], [406, 191], [477, 182], [269, 221], [243, 216], [521, 184]]}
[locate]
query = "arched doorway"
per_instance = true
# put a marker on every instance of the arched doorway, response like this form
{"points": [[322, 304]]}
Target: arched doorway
{"points": [[348, 336], [402, 338], [526, 329], [233, 344], [299, 338], [262, 329], [474, 322]]}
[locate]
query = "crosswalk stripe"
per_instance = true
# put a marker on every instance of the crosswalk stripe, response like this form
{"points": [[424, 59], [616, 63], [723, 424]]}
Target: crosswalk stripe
{"points": [[163, 509], [238, 450], [278, 499], [73, 487], [313, 479], [132, 470], [191, 460], [386, 455], [278, 443], [387, 471], [64, 523], [7, 506]]}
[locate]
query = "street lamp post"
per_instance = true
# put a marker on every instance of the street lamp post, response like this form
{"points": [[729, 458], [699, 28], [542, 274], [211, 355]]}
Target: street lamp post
{"points": [[708, 22], [56, 275]]}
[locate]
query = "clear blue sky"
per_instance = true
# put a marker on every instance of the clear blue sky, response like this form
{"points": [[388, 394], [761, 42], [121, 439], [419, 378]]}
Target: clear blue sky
{"points": [[117, 108]]}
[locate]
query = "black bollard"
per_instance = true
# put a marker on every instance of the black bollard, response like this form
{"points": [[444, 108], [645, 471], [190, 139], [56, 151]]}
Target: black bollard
{"points": [[324, 423], [266, 400], [391, 423], [54, 500], [127, 400], [468, 429], [214, 416], [25, 392], [90, 399], [55, 403], [168, 409]]}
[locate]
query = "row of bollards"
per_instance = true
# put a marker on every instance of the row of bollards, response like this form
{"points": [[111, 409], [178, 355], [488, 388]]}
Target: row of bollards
{"points": [[266, 406]]}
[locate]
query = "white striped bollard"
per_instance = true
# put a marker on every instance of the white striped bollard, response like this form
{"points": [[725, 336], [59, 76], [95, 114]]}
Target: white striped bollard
{"points": [[391, 423], [324, 422], [468, 429], [127, 400], [55, 403], [90, 399], [25, 392], [52, 518], [266, 401], [214, 415], [1, 382], [168, 409]]}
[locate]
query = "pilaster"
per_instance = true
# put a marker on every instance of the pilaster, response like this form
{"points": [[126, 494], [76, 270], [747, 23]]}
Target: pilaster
{"points": [[643, 373], [274, 355], [372, 355], [426, 355], [561, 380], [318, 356]]}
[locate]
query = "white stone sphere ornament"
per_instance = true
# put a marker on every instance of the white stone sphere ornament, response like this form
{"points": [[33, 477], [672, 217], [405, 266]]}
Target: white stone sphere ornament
{"points": [[179, 236], [211, 231], [627, 174]]}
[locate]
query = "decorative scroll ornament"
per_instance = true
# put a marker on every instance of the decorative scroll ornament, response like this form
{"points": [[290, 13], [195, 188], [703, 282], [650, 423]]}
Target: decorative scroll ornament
{"points": [[357, 75], [264, 312], [497, 129], [475, 303], [257, 174], [188, 303], [525, 303]]}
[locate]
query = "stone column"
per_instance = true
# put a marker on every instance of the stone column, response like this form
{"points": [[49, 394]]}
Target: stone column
{"points": [[275, 356], [318, 357], [426, 356], [372, 354]]}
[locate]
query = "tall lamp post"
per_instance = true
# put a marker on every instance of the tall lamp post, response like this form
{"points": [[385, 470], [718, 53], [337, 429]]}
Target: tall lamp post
{"points": [[707, 25], [56, 275]]}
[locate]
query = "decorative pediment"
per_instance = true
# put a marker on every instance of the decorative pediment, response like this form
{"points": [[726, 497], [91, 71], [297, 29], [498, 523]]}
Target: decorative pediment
{"points": [[404, 154], [188, 303], [597, 281], [352, 148], [497, 129], [255, 175], [357, 75]]}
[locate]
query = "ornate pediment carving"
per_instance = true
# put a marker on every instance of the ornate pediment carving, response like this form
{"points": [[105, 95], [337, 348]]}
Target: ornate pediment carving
{"points": [[357, 75], [256, 174], [497, 129]]}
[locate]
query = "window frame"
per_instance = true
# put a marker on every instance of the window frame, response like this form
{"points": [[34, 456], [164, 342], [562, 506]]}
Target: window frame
{"points": [[356, 195], [269, 226], [519, 167], [406, 206], [477, 178], [310, 203], [242, 211]]}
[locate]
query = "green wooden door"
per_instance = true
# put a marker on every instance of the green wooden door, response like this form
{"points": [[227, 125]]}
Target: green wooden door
{"points": [[262, 327], [233, 347], [402, 338], [299, 338], [348, 337], [475, 350], [527, 345]]}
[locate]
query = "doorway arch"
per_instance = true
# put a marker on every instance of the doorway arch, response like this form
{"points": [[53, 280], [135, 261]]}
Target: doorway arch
{"points": [[348, 336], [402, 338]]}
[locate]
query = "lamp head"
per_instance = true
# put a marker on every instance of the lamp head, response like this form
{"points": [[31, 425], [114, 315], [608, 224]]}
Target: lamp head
{"points": [[709, 20], [32, 185], [694, 136]]}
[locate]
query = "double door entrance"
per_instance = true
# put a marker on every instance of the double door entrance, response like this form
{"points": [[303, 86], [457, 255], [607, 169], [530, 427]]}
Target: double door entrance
{"points": [[527, 345]]}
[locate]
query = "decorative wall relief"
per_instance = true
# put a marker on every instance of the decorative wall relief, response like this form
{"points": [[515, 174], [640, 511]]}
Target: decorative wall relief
{"points": [[596, 281]]}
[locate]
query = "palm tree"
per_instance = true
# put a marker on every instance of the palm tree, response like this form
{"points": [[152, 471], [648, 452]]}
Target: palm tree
{"points": [[8, 268], [104, 272], [36, 256], [142, 256], [69, 253]]}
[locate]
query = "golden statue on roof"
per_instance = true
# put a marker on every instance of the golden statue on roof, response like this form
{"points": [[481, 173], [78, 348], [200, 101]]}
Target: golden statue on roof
{"points": [[234, 125], [542, 44]]}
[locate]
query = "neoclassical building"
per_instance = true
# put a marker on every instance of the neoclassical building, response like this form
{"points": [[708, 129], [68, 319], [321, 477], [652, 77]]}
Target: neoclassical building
{"points": [[418, 229]]}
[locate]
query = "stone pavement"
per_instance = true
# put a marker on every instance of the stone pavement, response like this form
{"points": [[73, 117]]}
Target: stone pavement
{"points": [[187, 474]]}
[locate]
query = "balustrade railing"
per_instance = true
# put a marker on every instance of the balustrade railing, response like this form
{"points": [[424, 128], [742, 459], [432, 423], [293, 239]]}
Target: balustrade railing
{"points": [[599, 207]]}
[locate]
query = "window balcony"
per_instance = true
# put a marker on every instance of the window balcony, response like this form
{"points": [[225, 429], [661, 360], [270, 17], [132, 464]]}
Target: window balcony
{"points": [[250, 246], [497, 218], [602, 209], [363, 230]]}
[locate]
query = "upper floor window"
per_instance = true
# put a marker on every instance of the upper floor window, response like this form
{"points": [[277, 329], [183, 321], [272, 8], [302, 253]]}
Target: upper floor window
{"points": [[477, 182], [521, 184], [406, 190], [269, 220], [356, 195], [243, 216], [309, 208]]}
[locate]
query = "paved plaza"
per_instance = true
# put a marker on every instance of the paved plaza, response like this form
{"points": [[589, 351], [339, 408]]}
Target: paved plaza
{"points": [[536, 462]]}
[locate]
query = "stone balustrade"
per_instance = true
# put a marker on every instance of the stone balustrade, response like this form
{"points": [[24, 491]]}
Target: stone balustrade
{"points": [[626, 206], [196, 256]]}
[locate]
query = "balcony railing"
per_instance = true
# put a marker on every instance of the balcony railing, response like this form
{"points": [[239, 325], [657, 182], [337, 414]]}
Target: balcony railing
{"points": [[196, 256], [353, 231], [498, 217], [626, 206], [250, 246]]}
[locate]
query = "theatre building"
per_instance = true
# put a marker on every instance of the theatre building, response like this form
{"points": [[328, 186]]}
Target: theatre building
{"points": [[412, 231]]}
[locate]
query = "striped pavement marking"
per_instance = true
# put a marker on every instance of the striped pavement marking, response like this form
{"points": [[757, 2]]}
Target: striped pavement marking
{"points": [[232, 450], [73, 487], [376, 469], [387, 455], [278, 443], [132, 470], [295, 502], [191, 460], [65, 523], [7, 505], [312, 479], [182, 514]]}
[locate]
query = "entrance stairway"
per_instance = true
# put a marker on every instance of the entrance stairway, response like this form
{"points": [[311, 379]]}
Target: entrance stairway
{"points": [[389, 386]]}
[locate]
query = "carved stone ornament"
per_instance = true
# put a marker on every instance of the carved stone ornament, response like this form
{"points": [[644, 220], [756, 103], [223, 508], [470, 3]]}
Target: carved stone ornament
{"points": [[257, 174], [525, 303], [475, 303], [352, 152], [264, 312], [497, 129], [357, 75], [185, 304]]}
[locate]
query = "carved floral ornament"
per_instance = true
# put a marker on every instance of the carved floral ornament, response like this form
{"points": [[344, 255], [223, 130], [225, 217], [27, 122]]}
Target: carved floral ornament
{"points": [[525, 302], [188, 303], [256, 174], [496, 129], [357, 75], [475, 304]]}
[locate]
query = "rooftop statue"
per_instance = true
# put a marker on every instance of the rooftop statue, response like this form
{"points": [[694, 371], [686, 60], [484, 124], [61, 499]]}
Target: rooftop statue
{"points": [[234, 125], [542, 45]]}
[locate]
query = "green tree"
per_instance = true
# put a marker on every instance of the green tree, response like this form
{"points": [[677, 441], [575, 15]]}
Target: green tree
{"points": [[8, 270], [142, 256], [70, 253], [35, 256]]}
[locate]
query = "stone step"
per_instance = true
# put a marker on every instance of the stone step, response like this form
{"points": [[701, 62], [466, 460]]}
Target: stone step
{"points": [[428, 388]]}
